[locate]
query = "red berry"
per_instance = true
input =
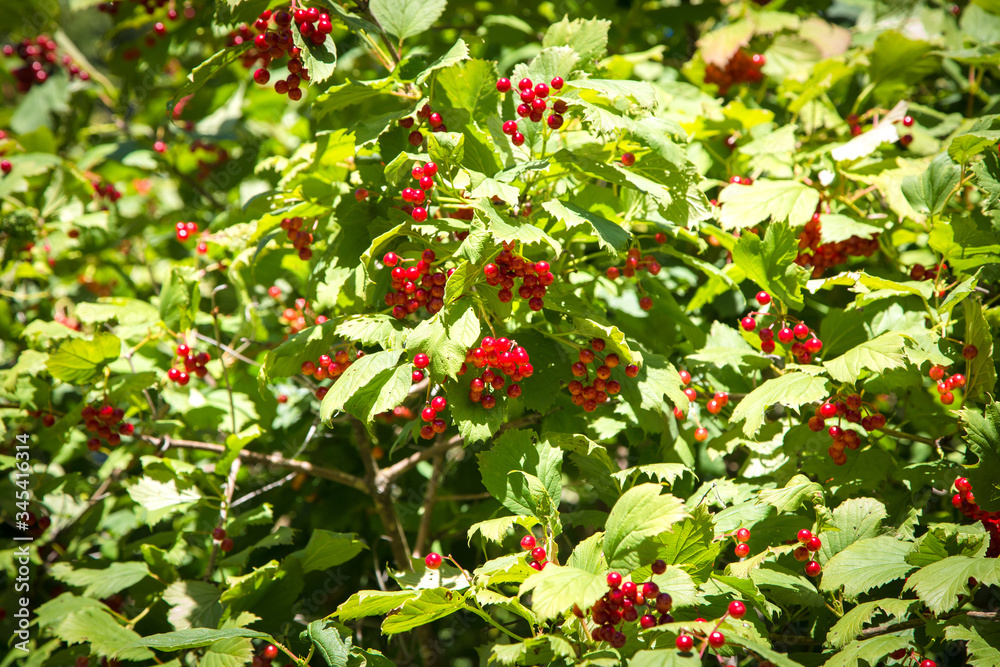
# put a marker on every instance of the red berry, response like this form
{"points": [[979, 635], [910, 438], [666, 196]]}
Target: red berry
{"points": [[421, 360], [510, 127], [631, 370], [647, 621], [439, 403], [748, 323], [524, 84], [814, 544], [528, 542], [813, 568], [741, 550], [270, 652], [659, 566], [628, 159], [737, 609], [800, 331], [804, 535], [555, 121], [701, 434], [963, 485], [785, 335], [227, 544], [415, 138], [743, 535], [503, 85], [614, 579], [763, 298], [970, 352], [684, 643], [928, 663], [538, 553], [557, 82], [716, 639], [419, 214], [907, 121], [432, 561]]}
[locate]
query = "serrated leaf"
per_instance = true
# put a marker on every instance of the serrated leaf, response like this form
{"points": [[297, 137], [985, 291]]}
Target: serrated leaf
{"points": [[866, 564], [204, 72], [983, 436], [769, 263], [106, 637], [328, 643], [79, 361], [869, 651], [853, 622], [744, 206], [358, 389], [445, 338], [855, 519], [983, 647], [666, 473], [939, 584], [928, 192], [378, 329], [610, 236], [792, 389], [518, 451], [506, 229], [371, 603], [160, 499], [588, 37], [982, 376], [102, 582], [639, 515], [406, 18], [327, 549], [430, 605], [878, 356], [790, 497], [496, 530], [193, 604], [556, 589]]}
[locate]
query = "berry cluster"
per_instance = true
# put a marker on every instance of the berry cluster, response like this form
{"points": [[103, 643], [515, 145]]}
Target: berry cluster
{"points": [[505, 356], [533, 105], [945, 385], [822, 256], [432, 118], [272, 44], [716, 639], [327, 366], [634, 262], [623, 602], [809, 544], [920, 272], [537, 558], [266, 655], [848, 408], [742, 67], [415, 285], [105, 191], [966, 501], [509, 266], [295, 318], [714, 405], [48, 419], [187, 230], [107, 423], [418, 198], [187, 363], [429, 414], [300, 238], [597, 392], [742, 536], [225, 543], [40, 60], [804, 342]]}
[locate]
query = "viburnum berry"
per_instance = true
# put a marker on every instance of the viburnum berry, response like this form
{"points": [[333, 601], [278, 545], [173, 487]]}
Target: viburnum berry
{"points": [[614, 579], [503, 84], [963, 485], [433, 560], [227, 544], [763, 298], [659, 566], [421, 360], [804, 535], [813, 568], [538, 553], [628, 159], [684, 643], [748, 323], [928, 663], [743, 535], [528, 542], [814, 544], [647, 621], [970, 352], [716, 639], [737, 609], [701, 434], [270, 652], [741, 550], [218, 534]]}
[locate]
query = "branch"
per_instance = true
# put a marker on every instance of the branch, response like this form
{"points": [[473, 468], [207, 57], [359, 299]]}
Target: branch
{"points": [[889, 628], [234, 470], [430, 498], [274, 459]]}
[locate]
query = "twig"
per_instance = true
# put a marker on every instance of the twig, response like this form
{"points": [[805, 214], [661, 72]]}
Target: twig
{"points": [[234, 470], [889, 628], [264, 489], [274, 459], [908, 436], [430, 498], [227, 349]]}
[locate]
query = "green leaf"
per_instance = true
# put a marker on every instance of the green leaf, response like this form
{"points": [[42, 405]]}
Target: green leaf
{"points": [[939, 584], [378, 329], [836, 228], [556, 589], [983, 436], [496, 530], [639, 515], [868, 652], [357, 391], [406, 18], [180, 640], [928, 192], [982, 375], [853, 622], [790, 497], [179, 298], [638, 92], [350, 93], [445, 338], [161, 499], [193, 604], [320, 60], [610, 236], [792, 389], [726, 347], [474, 422], [589, 38], [328, 643], [102, 582], [769, 263], [690, 545], [102, 632], [204, 72], [878, 356], [506, 229], [666, 473], [983, 647], [327, 549], [866, 564], [430, 605], [519, 451], [471, 85], [744, 206], [79, 361], [371, 603], [307, 345], [458, 52], [855, 519]]}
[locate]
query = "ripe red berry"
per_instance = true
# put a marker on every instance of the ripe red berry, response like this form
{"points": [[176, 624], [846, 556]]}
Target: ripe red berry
{"points": [[555, 121], [701, 434], [646, 303], [421, 360], [432, 561], [628, 159], [907, 121], [614, 579], [963, 485], [737, 609], [936, 373], [6, 166], [813, 568], [528, 542], [659, 566], [631, 370], [227, 544], [741, 550], [684, 643], [716, 639], [785, 335], [800, 331], [510, 127], [763, 298], [814, 544], [538, 553], [970, 352], [218, 534], [743, 535], [517, 139], [748, 323], [947, 398], [415, 138], [503, 84], [647, 621], [270, 652], [804, 535], [928, 663]]}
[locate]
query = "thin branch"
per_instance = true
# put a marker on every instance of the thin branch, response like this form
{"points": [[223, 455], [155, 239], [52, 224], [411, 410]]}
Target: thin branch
{"points": [[889, 628], [230, 351], [430, 498], [907, 436], [234, 470], [274, 459], [264, 489]]}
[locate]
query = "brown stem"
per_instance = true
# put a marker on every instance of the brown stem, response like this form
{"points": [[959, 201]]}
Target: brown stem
{"points": [[430, 498], [274, 459], [889, 628], [382, 495]]}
